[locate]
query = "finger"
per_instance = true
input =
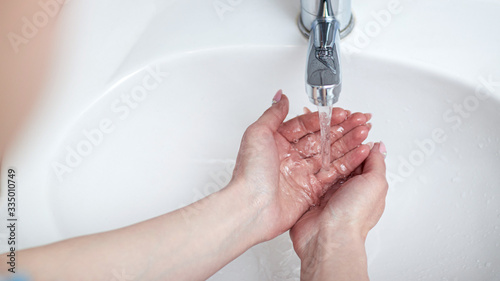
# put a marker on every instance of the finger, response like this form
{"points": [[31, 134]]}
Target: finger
{"points": [[311, 144], [350, 123], [375, 163], [343, 166], [359, 170], [298, 127], [349, 141], [307, 110], [273, 117], [339, 183], [354, 120]]}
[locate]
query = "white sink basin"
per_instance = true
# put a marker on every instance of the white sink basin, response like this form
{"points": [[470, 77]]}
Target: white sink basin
{"points": [[180, 142]]}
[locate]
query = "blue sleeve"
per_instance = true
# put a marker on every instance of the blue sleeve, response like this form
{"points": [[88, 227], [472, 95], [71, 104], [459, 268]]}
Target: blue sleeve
{"points": [[15, 277]]}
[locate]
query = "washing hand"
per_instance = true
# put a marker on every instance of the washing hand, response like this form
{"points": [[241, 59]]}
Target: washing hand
{"points": [[279, 164], [329, 238]]}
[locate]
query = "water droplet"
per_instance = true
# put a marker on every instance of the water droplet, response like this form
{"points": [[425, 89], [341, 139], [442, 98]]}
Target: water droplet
{"points": [[343, 168], [342, 181], [423, 179]]}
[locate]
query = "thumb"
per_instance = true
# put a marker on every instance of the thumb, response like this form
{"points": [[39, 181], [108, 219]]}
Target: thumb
{"points": [[375, 163], [276, 114]]}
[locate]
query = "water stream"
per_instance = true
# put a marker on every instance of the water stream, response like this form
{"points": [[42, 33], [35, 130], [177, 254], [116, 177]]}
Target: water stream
{"points": [[325, 117]]}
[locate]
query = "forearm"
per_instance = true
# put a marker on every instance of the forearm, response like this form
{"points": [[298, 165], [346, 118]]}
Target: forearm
{"points": [[188, 244], [335, 257]]}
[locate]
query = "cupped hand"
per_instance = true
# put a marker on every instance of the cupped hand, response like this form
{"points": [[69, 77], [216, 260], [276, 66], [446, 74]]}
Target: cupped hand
{"points": [[279, 164], [347, 211]]}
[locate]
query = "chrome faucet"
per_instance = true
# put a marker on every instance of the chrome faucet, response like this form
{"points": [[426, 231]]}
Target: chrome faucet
{"points": [[328, 21]]}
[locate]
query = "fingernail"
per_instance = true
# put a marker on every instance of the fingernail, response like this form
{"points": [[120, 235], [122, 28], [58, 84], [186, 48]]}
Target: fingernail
{"points": [[306, 110], [277, 97], [370, 144], [369, 125], [368, 116], [383, 149], [348, 112]]}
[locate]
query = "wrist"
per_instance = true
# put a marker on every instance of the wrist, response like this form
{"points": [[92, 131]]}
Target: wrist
{"points": [[339, 252], [327, 243], [245, 210], [254, 207]]}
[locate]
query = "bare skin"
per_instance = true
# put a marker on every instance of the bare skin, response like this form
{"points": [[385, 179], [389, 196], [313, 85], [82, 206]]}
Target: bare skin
{"points": [[266, 196], [330, 237], [23, 65], [272, 152]]}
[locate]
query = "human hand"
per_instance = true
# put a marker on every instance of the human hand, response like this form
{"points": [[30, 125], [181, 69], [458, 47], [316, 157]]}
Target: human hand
{"points": [[331, 235], [279, 164]]}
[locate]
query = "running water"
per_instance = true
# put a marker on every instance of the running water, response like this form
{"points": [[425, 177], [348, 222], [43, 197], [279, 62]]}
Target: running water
{"points": [[325, 117]]}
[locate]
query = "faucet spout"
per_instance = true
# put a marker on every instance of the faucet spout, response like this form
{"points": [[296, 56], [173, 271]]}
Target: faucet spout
{"points": [[323, 72]]}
